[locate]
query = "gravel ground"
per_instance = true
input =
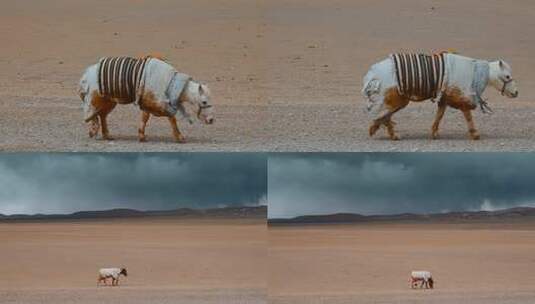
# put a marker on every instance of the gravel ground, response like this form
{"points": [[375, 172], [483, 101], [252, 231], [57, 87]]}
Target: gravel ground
{"points": [[58, 127], [278, 127], [131, 295], [413, 297], [344, 127], [284, 75]]}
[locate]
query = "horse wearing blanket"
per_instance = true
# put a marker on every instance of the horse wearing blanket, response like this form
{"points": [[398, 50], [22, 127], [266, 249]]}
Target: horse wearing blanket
{"points": [[450, 79], [113, 273], [423, 277], [149, 82]]}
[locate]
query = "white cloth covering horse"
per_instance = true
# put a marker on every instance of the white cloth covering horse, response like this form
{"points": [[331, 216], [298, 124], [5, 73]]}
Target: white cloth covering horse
{"points": [[157, 87], [114, 273], [463, 82]]}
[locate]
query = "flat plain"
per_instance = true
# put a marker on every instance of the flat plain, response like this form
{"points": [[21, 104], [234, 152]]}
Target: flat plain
{"points": [[47, 45], [371, 263], [318, 52], [285, 75], [168, 261]]}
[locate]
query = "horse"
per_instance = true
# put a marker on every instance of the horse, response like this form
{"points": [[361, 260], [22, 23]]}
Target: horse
{"points": [[113, 273], [424, 277], [447, 78], [157, 87]]}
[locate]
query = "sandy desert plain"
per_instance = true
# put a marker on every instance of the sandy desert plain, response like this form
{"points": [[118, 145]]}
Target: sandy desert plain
{"points": [[371, 263], [48, 44], [168, 261], [321, 50], [285, 75]]}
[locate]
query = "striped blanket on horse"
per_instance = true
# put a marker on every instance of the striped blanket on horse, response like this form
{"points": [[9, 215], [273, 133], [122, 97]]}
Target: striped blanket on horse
{"points": [[419, 76], [120, 77]]}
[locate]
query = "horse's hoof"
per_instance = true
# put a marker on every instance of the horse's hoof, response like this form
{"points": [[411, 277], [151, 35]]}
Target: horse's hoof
{"points": [[395, 137], [474, 135], [142, 139], [434, 136], [373, 129], [181, 140], [107, 137]]}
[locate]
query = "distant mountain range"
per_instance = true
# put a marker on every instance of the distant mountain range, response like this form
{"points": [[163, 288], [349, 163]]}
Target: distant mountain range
{"points": [[228, 212], [499, 215]]}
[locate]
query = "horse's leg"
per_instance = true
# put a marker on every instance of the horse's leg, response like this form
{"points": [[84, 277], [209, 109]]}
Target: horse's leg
{"points": [[393, 103], [176, 132], [141, 131], [441, 109], [474, 134], [386, 119], [94, 126], [390, 129], [103, 115]]}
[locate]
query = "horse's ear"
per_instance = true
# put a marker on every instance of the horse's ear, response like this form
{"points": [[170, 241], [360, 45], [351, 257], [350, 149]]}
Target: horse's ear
{"points": [[201, 90], [501, 64]]}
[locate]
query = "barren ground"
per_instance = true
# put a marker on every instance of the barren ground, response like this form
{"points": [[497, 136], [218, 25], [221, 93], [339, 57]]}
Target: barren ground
{"points": [[46, 45], [321, 50], [371, 263], [285, 75], [168, 261]]}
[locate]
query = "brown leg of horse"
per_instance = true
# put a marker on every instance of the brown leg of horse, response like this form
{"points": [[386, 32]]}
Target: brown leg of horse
{"points": [[438, 117], [141, 131], [104, 124], [178, 136], [393, 103], [107, 107], [390, 129], [386, 120], [474, 134], [94, 126]]}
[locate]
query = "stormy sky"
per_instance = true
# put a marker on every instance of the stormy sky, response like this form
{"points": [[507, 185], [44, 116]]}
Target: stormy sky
{"points": [[65, 183], [390, 183]]}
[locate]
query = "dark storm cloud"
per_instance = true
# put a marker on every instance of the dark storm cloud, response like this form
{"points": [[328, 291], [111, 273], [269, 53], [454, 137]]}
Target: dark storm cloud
{"points": [[63, 183], [386, 183]]}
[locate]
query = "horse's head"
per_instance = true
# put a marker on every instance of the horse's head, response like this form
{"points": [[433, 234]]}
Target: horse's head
{"points": [[500, 77], [123, 272], [198, 95], [431, 283]]}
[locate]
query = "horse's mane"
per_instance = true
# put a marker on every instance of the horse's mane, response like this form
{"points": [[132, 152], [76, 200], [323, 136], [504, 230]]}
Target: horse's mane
{"points": [[154, 55], [448, 51]]}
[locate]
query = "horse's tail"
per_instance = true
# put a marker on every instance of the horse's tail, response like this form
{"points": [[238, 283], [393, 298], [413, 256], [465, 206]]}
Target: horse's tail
{"points": [[371, 87], [83, 86]]}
